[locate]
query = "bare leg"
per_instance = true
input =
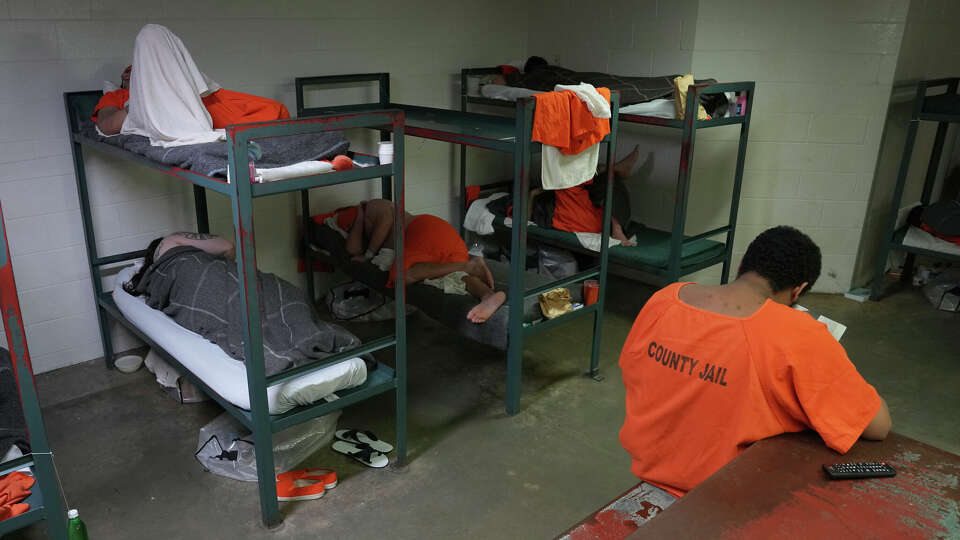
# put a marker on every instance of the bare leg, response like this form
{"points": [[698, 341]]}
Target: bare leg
{"points": [[616, 232], [490, 300], [624, 167]]}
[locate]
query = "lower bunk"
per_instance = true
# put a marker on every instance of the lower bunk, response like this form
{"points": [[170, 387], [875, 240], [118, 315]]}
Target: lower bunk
{"points": [[295, 399], [329, 245], [651, 253]]}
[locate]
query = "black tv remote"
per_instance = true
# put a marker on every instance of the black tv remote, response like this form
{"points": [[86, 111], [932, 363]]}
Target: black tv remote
{"points": [[849, 471]]}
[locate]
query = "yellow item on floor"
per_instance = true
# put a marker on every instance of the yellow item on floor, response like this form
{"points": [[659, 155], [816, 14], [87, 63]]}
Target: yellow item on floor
{"points": [[555, 302]]}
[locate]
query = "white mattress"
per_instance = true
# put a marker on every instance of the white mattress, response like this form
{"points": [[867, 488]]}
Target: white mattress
{"points": [[224, 375], [660, 108]]}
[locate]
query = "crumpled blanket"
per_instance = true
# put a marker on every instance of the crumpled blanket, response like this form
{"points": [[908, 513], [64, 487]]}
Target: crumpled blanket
{"points": [[201, 293], [210, 159]]}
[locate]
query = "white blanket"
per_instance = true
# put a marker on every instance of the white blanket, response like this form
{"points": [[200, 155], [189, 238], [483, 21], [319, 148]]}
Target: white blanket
{"points": [[478, 218], [166, 88]]}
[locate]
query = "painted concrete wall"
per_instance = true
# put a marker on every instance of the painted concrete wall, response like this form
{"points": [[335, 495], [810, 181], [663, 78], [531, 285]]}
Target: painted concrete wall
{"points": [[929, 50], [51, 46]]}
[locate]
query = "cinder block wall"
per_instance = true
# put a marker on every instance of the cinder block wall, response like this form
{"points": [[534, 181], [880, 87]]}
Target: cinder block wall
{"points": [[51, 46]]}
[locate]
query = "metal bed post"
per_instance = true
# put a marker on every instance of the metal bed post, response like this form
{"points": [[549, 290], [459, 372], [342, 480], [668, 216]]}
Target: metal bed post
{"points": [[400, 293], [90, 240], [200, 205], [594, 371], [737, 184], [305, 243], [239, 175], [518, 251], [384, 86], [52, 510], [463, 159], [683, 184], [881, 264]]}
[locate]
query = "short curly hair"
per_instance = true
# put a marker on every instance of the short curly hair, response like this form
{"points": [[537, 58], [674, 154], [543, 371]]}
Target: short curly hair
{"points": [[784, 256]]}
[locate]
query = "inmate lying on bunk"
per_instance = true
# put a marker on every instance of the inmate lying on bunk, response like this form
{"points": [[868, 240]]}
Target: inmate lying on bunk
{"points": [[188, 277], [432, 250], [327, 238], [538, 75], [165, 97]]}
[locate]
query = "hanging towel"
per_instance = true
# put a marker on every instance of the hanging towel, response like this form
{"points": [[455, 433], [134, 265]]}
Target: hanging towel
{"points": [[570, 134], [479, 219], [166, 88], [680, 86]]}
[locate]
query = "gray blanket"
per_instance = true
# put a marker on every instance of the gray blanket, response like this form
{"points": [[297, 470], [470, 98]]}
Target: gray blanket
{"points": [[201, 293], [210, 159]]}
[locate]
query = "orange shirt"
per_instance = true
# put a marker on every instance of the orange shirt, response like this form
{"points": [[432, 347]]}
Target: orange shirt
{"points": [[573, 211], [701, 387], [226, 107], [562, 120]]}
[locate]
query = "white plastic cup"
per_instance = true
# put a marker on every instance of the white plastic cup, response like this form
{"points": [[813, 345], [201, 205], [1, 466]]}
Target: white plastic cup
{"points": [[385, 151]]}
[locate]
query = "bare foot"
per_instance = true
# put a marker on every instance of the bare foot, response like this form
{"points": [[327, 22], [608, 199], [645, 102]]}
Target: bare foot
{"points": [[478, 269], [487, 307], [623, 167]]}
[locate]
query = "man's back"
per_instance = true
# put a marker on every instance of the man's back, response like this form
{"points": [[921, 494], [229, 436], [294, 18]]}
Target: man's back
{"points": [[702, 385]]}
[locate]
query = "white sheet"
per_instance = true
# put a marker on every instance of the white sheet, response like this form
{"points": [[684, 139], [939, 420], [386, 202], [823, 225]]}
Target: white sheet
{"points": [[659, 108], [919, 238], [166, 88], [224, 375]]}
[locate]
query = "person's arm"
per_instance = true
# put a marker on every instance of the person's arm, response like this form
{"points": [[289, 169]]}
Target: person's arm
{"points": [[110, 120], [382, 226], [210, 243], [879, 427], [355, 236]]}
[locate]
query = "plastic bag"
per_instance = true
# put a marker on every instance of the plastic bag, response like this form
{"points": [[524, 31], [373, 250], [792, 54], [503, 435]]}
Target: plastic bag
{"points": [[355, 301], [555, 302], [225, 447], [556, 263]]}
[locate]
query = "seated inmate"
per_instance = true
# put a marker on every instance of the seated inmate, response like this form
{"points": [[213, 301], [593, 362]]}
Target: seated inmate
{"points": [[710, 370], [432, 249], [192, 278], [164, 96]]}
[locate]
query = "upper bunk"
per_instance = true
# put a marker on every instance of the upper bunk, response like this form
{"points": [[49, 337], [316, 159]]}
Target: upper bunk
{"points": [[943, 107], [493, 132], [272, 144], [649, 113]]}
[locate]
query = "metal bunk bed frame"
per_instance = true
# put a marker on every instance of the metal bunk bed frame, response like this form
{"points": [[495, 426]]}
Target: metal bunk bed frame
{"points": [[506, 135], [945, 110], [45, 502], [674, 268], [239, 188]]}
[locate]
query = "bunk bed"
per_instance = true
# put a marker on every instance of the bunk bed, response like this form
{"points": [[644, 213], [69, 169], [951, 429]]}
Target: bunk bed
{"points": [[45, 502], [254, 405], [667, 255], [944, 109], [512, 136]]}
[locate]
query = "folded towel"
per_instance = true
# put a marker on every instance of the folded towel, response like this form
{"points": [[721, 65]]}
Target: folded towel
{"points": [[304, 168]]}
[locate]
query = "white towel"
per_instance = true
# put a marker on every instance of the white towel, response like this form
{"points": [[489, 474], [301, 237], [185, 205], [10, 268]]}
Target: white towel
{"points": [[478, 218], [384, 259], [598, 105], [166, 88], [591, 241], [303, 168]]}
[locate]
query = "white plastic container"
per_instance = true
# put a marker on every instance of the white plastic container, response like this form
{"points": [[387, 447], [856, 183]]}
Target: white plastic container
{"points": [[385, 151]]}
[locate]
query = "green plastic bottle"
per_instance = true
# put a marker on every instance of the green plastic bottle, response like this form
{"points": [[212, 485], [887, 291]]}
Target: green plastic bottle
{"points": [[76, 530]]}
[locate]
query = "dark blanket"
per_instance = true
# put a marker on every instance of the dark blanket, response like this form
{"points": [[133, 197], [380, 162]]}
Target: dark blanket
{"points": [[201, 293], [210, 159], [632, 89], [13, 427]]}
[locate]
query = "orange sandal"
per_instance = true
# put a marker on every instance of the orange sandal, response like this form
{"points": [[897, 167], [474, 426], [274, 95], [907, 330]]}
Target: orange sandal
{"points": [[303, 485]]}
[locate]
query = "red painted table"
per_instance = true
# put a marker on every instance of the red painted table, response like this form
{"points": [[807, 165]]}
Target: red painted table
{"points": [[777, 489]]}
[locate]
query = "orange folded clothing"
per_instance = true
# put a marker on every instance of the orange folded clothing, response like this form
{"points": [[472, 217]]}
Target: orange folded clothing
{"points": [[14, 488], [562, 120], [429, 239]]}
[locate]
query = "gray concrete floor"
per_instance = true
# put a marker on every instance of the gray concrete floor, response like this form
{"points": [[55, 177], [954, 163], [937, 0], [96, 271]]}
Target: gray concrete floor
{"points": [[125, 449]]}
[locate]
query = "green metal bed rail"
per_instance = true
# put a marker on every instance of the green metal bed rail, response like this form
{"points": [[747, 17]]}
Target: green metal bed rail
{"points": [[511, 136], [46, 503], [893, 238], [241, 191]]}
